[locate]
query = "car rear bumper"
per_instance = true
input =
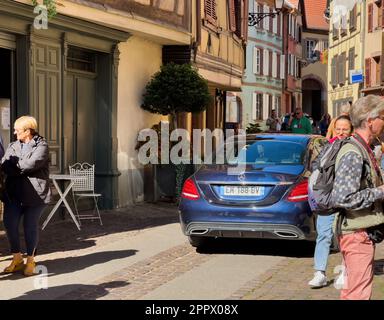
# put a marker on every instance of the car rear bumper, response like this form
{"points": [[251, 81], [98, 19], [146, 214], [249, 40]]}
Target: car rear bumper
{"points": [[245, 230]]}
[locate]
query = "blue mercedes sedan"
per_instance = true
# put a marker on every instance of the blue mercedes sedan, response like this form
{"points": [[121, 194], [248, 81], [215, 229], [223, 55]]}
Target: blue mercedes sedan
{"points": [[267, 199]]}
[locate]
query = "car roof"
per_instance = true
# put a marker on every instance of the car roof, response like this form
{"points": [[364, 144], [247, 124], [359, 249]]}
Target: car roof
{"points": [[292, 137]]}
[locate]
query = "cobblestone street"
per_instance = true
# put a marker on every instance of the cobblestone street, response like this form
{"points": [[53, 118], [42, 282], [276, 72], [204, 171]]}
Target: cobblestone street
{"points": [[96, 263]]}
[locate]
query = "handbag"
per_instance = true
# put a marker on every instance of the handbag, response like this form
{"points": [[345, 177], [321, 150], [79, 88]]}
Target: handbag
{"points": [[376, 233]]}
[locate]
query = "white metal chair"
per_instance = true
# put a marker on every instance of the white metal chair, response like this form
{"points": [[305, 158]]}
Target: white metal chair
{"points": [[85, 188]]}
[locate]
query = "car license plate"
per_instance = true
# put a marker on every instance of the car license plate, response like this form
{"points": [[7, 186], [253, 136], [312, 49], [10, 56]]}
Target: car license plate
{"points": [[243, 190]]}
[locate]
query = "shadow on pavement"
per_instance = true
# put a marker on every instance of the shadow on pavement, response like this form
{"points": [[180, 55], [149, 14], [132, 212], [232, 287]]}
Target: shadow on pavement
{"points": [[286, 248], [83, 292], [63, 235], [73, 264]]}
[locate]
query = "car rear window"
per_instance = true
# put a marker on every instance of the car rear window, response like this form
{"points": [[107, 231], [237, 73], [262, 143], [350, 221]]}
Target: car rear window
{"points": [[271, 152]]}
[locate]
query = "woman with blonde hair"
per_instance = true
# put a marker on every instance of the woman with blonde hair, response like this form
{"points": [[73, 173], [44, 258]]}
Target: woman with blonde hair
{"points": [[345, 110], [27, 194]]}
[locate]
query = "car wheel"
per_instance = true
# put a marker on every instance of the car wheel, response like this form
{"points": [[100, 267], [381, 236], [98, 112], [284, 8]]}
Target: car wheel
{"points": [[197, 242]]}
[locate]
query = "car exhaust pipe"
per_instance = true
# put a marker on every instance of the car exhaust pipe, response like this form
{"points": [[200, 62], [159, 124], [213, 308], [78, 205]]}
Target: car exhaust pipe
{"points": [[285, 234], [198, 231]]}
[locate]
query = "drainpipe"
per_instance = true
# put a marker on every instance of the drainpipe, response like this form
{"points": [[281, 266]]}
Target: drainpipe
{"points": [[362, 34]]}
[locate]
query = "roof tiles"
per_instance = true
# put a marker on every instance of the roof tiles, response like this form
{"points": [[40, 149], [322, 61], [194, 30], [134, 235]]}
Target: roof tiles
{"points": [[314, 14]]}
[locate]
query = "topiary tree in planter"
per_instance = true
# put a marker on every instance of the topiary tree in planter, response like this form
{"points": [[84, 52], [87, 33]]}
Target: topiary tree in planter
{"points": [[174, 89]]}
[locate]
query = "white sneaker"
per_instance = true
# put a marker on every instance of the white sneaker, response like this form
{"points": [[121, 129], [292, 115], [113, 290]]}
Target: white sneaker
{"points": [[319, 280], [339, 281]]}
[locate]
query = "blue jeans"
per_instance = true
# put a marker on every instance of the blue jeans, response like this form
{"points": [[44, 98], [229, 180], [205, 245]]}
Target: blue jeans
{"points": [[323, 241], [31, 215]]}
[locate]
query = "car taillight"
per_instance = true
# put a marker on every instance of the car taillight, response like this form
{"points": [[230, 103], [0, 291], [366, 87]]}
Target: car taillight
{"points": [[190, 190], [299, 192]]}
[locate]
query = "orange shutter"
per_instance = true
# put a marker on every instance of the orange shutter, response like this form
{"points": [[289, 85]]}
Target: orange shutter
{"points": [[245, 20], [232, 15], [367, 72], [370, 17], [210, 10], [382, 13]]}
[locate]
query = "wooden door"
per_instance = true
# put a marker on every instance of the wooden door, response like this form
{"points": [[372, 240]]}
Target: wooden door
{"points": [[79, 118]]}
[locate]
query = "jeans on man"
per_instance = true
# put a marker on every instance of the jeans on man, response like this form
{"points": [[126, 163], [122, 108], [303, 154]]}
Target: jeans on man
{"points": [[324, 240]]}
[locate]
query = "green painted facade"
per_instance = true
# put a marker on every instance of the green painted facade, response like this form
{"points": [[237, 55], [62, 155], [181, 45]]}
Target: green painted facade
{"points": [[66, 77]]}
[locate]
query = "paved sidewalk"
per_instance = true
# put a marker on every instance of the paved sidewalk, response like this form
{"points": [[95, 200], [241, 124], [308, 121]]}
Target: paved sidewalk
{"points": [[141, 248], [288, 280]]}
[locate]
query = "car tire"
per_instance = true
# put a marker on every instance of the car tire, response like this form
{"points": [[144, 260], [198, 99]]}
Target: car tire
{"points": [[197, 241]]}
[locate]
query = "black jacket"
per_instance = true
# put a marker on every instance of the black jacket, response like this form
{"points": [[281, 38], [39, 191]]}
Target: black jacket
{"points": [[27, 172]]}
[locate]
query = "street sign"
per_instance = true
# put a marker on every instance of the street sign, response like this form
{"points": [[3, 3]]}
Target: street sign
{"points": [[356, 76]]}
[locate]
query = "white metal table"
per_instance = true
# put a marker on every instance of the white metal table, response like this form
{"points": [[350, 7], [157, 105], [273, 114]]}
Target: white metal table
{"points": [[71, 179]]}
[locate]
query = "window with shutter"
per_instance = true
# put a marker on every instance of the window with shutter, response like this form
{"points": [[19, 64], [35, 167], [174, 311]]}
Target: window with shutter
{"points": [[333, 72], [270, 106], [239, 8], [274, 21], [259, 9], [289, 24], [278, 19], [351, 59], [210, 11], [271, 21], [254, 106], [335, 31], [289, 64], [278, 62], [367, 72], [257, 106], [352, 18], [378, 70], [270, 63], [256, 60], [282, 67], [243, 18], [278, 105], [274, 65], [232, 15], [343, 30], [266, 19], [261, 61], [265, 106], [298, 71], [341, 68], [370, 17], [382, 13], [266, 62]]}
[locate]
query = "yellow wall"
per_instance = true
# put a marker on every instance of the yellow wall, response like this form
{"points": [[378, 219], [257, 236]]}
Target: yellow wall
{"points": [[225, 50], [372, 40], [139, 60], [343, 44]]}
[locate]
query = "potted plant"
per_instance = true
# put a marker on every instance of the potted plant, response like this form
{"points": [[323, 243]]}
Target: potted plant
{"points": [[176, 88]]}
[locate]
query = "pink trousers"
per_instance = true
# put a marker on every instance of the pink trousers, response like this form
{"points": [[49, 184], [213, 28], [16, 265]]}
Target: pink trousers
{"points": [[358, 253]]}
